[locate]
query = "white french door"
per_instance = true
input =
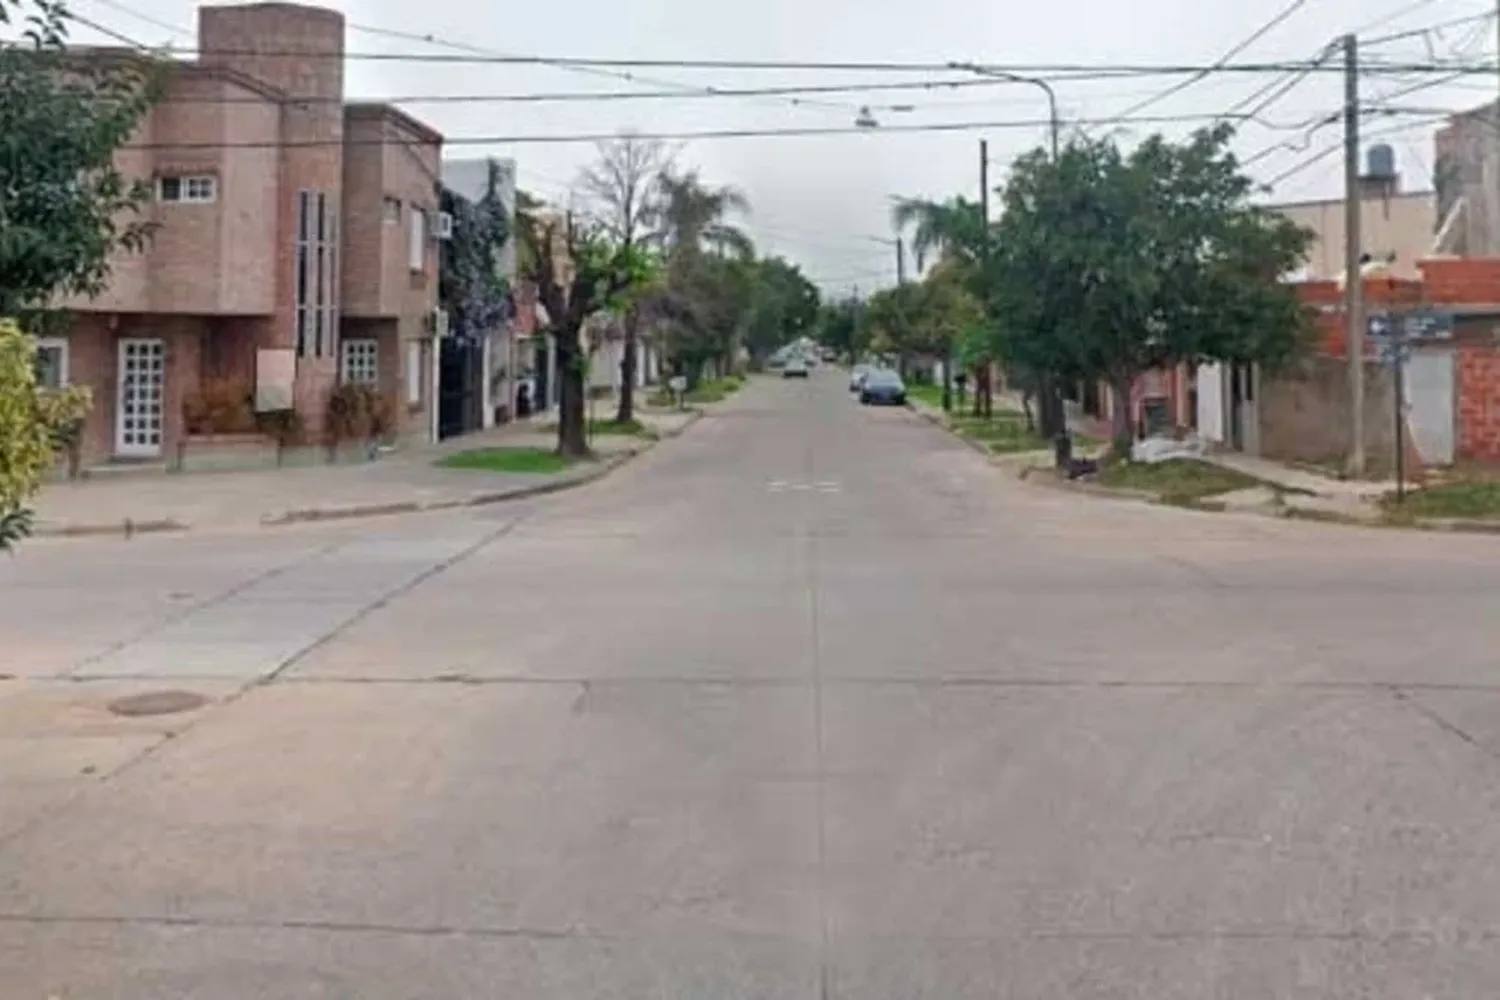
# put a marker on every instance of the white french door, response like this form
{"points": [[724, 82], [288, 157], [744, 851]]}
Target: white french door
{"points": [[140, 403]]}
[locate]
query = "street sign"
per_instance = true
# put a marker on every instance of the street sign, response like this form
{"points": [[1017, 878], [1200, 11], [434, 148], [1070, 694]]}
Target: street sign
{"points": [[1416, 325]]}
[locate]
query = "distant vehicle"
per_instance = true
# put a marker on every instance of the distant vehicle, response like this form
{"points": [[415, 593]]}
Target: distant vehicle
{"points": [[883, 387], [858, 375], [794, 368]]}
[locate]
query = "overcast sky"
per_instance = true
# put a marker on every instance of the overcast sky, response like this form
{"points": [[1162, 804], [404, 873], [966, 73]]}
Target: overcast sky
{"points": [[824, 201]]}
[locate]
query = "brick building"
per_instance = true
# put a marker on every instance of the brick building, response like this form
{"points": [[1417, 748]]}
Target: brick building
{"points": [[296, 234], [1451, 377]]}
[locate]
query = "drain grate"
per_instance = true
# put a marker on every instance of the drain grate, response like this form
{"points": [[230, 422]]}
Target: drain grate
{"points": [[157, 703]]}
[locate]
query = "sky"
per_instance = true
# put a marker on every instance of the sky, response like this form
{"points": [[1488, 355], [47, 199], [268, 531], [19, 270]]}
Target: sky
{"points": [[824, 201]]}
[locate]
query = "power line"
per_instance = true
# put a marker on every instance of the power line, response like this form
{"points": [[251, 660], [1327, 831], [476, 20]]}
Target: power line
{"points": [[1244, 44], [1051, 70], [680, 87], [1395, 15], [1328, 151], [596, 137], [1419, 32], [584, 96]]}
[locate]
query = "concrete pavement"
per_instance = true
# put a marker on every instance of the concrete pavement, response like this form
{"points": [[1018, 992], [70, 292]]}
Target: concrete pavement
{"points": [[401, 482], [810, 702]]}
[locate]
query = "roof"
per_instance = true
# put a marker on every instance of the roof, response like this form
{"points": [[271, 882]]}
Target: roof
{"points": [[1281, 206], [389, 112]]}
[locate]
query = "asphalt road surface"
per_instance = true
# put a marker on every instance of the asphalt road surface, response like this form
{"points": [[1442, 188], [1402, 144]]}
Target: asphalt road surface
{"points": [[809, 703]]}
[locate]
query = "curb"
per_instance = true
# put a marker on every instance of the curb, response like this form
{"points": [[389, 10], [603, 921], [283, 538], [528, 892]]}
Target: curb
{"points": [[1028, 474], [128, 528]]}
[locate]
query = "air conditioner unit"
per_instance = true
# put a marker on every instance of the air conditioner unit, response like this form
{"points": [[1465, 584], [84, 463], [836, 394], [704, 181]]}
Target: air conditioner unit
{"points": [[444, 226], [440, 323]]}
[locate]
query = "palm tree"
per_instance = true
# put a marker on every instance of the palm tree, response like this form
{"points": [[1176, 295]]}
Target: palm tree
{"points": [[691, 216], [952, 229], [692, 228], [955, 230]]}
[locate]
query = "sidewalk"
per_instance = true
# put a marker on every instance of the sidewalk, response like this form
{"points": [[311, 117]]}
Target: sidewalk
{"points": [[404, 481]]}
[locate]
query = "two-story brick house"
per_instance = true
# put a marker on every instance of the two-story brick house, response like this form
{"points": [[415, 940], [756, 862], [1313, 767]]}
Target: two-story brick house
{"points": [[288, 221]]}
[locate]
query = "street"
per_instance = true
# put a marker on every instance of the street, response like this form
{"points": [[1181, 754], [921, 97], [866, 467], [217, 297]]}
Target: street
{"points": [[808, 703]]}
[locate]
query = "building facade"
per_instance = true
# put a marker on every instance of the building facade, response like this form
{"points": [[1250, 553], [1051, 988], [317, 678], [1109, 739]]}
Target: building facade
{"points": [[1397, 228], [294, 246]]}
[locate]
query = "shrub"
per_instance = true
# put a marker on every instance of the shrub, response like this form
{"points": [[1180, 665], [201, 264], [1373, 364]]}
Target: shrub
{"points": [[65, 412], [358, 413], [220, 406], [25, 438]]}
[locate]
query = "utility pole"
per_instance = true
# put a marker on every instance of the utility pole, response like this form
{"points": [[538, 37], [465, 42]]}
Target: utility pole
{"points": [[1353, 270], [985, 390], [900, 261]]}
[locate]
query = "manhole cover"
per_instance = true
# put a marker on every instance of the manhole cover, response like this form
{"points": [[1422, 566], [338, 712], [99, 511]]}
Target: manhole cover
{"points": [[157, 703]]}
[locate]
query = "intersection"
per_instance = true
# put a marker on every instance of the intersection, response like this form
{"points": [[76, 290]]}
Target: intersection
{"points": [[810, 702]]}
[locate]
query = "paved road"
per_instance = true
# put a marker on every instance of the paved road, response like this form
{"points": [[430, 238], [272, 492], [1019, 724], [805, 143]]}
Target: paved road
{"points": [[806, 704]]}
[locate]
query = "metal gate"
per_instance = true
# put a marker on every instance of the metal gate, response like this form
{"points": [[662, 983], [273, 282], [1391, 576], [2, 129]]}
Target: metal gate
{"points": [[460, 386], [1429, 398]]}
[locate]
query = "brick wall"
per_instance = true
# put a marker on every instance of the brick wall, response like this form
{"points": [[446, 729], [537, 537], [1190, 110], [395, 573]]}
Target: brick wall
{"points": [[1304, 412], [1478, 403]]}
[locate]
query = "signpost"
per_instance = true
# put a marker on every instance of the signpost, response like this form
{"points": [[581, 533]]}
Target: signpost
{"points": [[1392, 335]]}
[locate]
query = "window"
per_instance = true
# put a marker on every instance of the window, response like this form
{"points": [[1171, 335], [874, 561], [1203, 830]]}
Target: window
{"points": [[360, 362], [51, 363], [198, 188], [413, 371], [416, 251], [317, 274], [391, 211]]}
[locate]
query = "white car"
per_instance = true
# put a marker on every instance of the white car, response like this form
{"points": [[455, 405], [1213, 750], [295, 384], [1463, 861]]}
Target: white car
{"points": [[795, 368]]}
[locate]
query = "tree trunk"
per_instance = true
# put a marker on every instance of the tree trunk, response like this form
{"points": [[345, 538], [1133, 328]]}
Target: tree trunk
{"points": [[1122, 435], [572, 426], [1051, 415], [628, 367]]}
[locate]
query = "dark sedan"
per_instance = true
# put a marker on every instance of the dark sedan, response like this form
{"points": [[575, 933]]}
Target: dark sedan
{"points": [[883, 388]]}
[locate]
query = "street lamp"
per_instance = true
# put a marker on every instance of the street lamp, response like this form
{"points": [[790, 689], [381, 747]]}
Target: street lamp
{"points": [[999, 74]]}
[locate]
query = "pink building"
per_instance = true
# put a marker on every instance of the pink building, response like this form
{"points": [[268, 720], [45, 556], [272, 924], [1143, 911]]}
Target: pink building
{"points": [[287, 220]]}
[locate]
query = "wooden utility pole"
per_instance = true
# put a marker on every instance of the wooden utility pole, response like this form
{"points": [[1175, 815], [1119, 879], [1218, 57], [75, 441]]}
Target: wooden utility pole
{"points": [[985, 391], [1353, 260], [900, 261]]}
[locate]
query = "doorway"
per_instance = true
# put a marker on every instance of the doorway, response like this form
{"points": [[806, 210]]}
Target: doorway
{"points": [[140, 401]]}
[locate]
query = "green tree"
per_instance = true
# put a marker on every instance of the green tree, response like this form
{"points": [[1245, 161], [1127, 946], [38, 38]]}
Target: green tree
{"points": [[784, 306], [707, 285], [841, 328], [957, 232], [64, 207], [1109, 264], [624, 183], [578, 271], [64, 210]]}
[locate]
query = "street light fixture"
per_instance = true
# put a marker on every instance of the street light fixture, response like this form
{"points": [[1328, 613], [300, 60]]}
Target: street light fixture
{"points": [[999, 74]]}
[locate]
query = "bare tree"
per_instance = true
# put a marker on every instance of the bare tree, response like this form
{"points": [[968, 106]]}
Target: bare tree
{"points": [[623, 184]]}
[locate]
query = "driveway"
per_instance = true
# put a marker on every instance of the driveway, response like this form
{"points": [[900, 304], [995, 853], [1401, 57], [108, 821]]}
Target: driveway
{"points": [[809, 703]]}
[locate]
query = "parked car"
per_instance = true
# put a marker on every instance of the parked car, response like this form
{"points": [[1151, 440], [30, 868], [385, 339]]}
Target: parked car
{"points": [[883, 387], [794, 368]]}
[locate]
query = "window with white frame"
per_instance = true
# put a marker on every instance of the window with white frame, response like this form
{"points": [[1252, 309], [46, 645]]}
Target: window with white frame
{"points": [[317, 274], [51, 363], [391, 210], [360, 361], [413, 372], [416, 250], [196, 188]]}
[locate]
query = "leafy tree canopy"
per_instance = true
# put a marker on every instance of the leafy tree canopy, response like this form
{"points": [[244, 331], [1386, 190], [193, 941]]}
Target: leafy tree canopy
{"points": [[64, 207]]}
